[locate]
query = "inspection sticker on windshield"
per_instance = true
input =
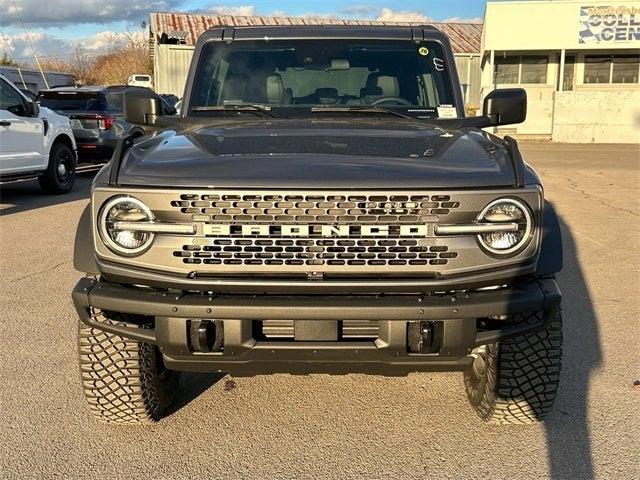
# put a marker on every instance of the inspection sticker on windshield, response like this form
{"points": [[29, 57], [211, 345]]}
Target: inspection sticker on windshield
{"points": [[424, 51], [447, 111]]}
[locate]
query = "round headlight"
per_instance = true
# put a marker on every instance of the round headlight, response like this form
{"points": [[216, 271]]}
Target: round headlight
{"points": [[506, 211], [120, 240]]}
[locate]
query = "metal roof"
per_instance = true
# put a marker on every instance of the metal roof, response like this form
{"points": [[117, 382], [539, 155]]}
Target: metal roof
{"points": [[465, 37]]}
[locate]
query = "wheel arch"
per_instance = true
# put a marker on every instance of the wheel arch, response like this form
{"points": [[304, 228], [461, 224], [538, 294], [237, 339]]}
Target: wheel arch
{"points": [[64, 139], [83, 251], [137, 132]]}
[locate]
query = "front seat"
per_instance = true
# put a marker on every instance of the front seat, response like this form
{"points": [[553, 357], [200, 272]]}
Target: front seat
{"points": [[379, 86], [276, 93]]}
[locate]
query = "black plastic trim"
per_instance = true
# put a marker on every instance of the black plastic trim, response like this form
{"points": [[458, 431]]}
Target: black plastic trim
{"points": [[20, 176], [257, 285], [516, 160], [124, 144], [84, 259]]}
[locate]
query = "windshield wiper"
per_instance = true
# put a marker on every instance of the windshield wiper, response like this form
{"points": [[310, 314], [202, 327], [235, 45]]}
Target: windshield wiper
{"points": [[262, 110], [361, 109]]}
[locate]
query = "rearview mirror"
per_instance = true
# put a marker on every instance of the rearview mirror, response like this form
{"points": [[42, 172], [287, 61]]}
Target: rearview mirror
{"points": [[142, 107], [505, 106]]}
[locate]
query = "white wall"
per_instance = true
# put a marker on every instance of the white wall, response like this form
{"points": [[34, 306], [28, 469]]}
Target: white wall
{"points": [[588, 116], [171, 67]]}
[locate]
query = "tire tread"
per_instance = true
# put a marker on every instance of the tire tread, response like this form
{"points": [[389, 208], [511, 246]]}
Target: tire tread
{"points": [[522, 375], [117, 375]]}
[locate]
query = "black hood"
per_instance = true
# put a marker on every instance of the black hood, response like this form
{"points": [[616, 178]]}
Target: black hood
{"points": [[319, 154]]}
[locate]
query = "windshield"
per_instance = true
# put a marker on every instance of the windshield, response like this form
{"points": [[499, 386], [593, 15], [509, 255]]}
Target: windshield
{"points": [[83, 101], [306, 74]]}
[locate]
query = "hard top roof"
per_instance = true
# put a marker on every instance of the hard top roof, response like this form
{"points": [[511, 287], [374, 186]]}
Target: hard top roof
{"points": [[322, 32]]}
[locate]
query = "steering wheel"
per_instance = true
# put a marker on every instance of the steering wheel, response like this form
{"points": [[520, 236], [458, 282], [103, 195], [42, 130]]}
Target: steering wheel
{"points": [[392, 101]]}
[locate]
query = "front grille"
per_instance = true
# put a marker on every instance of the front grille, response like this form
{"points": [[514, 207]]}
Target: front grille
{"points": [[323, 209], [315, 252], [337, 233]]}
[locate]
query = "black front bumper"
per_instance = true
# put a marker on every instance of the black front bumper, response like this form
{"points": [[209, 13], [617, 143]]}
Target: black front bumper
{"points": [[242, 354]]}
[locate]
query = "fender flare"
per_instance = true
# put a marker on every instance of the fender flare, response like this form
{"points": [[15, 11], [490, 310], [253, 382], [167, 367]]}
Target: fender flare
{"points": [[84, 259], [550, 261]]}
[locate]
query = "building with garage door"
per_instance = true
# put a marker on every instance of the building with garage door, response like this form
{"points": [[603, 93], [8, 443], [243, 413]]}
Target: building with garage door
{"points": [[579, 62], [174, 35]]}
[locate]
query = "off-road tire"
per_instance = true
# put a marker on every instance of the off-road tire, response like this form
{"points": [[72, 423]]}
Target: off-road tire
{"points": [[520, 378], [60, 174], [124, 381]]}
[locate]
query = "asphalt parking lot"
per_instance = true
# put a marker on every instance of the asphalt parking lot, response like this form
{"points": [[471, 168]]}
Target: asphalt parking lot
{"points": [[334, 427]]}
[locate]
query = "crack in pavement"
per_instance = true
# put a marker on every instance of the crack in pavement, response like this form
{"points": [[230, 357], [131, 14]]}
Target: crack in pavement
{"points": [[573, 185], [45, 270]]}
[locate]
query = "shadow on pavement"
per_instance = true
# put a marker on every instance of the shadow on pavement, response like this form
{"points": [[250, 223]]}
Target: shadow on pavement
{"points": [[27, 195], [567, 429], [192, 385]]}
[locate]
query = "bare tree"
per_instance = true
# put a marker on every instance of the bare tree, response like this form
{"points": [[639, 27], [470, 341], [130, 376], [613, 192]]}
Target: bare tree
{"points": [[7, 61], [129, 55]]}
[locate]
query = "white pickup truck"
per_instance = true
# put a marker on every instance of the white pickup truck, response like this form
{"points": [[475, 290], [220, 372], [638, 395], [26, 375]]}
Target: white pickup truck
{"points": [[34, 142]]}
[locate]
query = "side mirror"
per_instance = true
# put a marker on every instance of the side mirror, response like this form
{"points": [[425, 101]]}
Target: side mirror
{"points": [[142, 107], [31, 109], [505, 106]]}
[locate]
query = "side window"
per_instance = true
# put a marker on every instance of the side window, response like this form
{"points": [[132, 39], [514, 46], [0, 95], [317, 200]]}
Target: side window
{"points": [[115, 102], [10, 99]]}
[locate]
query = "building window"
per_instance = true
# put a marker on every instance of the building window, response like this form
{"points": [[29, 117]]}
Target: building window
{"points": [[625, 69], [518, 69], [507, 69], [534, 69], [569, 72], [611, 68]]}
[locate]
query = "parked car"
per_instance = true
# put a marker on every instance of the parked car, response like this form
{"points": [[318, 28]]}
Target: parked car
{"points": [[138, 80], [96, 115], [35, 142]]}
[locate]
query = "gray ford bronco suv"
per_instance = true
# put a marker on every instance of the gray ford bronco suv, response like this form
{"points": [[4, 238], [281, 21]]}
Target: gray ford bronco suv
{"points": [[321, 205]]}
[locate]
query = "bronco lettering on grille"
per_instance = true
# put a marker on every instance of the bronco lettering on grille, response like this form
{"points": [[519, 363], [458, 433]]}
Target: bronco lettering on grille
{"points": [[328, 231]]}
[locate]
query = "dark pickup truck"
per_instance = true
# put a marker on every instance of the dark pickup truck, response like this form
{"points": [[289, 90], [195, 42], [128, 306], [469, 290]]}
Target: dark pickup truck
{"points": [[321, 205]]}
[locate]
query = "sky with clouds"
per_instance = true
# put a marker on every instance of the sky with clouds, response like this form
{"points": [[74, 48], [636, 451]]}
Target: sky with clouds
{"points": [[55, 27]]}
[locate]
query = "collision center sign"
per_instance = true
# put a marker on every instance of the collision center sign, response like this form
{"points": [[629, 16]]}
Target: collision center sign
{"points": [[609, 24]]}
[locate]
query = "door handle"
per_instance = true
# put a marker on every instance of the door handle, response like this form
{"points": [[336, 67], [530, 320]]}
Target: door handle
{"points": [[5, 123]]}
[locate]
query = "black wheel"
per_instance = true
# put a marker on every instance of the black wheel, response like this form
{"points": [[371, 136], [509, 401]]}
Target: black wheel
{"points": [[61, 172], [515, 381], [124, 381]]}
